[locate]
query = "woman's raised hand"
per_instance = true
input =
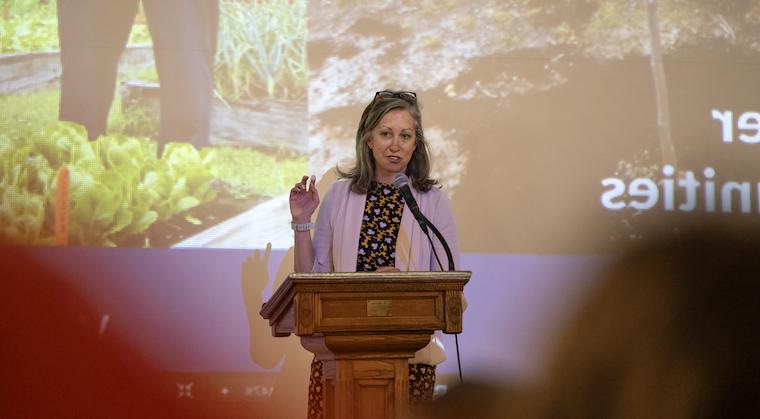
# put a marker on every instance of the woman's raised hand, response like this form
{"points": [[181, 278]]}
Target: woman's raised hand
{"points": [[304, 199]]}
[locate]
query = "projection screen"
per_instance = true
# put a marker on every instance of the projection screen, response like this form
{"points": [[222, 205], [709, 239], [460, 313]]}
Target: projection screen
{"points": [[147, 149]]}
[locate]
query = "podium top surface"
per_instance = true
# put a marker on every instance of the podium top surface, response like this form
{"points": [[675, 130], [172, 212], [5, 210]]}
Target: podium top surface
{"points": [[363, 282]]}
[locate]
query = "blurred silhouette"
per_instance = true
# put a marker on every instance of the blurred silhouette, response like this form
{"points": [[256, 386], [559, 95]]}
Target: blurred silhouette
{"points": [[670, 331], [290, 396], [290, 389], [93, 35]]}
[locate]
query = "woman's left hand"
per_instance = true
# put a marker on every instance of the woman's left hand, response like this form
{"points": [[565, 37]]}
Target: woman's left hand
{"points": [[388, 269]]}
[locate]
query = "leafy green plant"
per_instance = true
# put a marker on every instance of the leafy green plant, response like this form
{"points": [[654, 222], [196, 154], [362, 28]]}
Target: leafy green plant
{"points": [[22, 214], [107, 195], [24, 184], [181, 180], [130, 158], [119, 186], [100, 204], [28, 25]]}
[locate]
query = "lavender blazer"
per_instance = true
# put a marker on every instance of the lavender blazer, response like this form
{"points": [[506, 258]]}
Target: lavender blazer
{"points": [[336, 237], [336, 241]]}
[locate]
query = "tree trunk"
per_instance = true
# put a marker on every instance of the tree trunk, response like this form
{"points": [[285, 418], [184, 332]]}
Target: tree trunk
{"points": [[660, 86]]}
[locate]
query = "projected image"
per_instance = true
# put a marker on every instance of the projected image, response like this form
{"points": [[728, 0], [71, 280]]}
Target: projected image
{"points": [[543, 113], [562, 130], [592, 118], [150, 124]]}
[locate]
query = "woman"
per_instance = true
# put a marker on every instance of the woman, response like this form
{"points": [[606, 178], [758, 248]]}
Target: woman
{"points": [[363, 224]]}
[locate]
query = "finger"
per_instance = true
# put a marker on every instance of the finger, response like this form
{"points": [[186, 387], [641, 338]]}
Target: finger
{"points": [[304, 180], [313, 184], [267, 252], [299, 187]]}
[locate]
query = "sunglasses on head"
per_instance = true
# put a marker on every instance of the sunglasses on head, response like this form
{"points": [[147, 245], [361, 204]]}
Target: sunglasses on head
{"points": [[410, 97]]}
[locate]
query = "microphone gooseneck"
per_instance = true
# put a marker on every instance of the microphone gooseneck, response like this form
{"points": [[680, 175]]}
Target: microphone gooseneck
{"points": [[401, 181]]}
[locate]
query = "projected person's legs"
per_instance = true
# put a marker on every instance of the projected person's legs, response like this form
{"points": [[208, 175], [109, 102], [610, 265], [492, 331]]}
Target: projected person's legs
{"points": [[184, 42], [92, 36]]}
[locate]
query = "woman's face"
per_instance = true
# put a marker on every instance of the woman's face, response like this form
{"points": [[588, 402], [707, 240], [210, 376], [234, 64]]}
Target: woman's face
{"points": [[392, 142]]}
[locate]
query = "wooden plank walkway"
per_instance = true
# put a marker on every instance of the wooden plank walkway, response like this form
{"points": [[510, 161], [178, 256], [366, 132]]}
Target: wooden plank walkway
{"points": [[268, 222], [29, 71]]}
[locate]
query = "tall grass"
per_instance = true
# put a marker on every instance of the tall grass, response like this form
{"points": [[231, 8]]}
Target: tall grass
{"points": [[261, 50]]}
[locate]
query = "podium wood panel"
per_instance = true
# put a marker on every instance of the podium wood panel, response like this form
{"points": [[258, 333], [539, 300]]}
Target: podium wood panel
{"points": [[364, 327]]}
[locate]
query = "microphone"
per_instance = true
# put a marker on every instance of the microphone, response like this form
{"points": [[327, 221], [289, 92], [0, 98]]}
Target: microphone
{"points": [[401, 181]]}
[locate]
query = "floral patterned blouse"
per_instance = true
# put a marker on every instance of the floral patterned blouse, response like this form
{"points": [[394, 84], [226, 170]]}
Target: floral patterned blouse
{"points": [[380, 226]]}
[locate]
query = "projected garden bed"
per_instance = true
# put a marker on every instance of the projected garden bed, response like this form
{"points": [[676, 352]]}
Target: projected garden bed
{"points": [[123, 188]]}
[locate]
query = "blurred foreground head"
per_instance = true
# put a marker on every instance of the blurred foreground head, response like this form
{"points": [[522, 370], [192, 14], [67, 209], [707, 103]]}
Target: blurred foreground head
{"points": [[670, 330]]}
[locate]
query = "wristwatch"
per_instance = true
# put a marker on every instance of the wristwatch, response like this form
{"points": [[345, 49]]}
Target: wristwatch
{"points": [[301, 227]]}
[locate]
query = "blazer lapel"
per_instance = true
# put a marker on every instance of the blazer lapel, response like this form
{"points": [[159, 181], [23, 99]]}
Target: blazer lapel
{"points": [[352, 224], [409, 232]]}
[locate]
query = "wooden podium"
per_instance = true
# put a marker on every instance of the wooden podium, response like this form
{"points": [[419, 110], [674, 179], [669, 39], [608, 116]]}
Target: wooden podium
{"points": [[364, 327]]}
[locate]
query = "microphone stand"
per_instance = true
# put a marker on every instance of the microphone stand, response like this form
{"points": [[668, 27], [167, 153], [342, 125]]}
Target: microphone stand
{"points": [[401, 182], [424, 223]]}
